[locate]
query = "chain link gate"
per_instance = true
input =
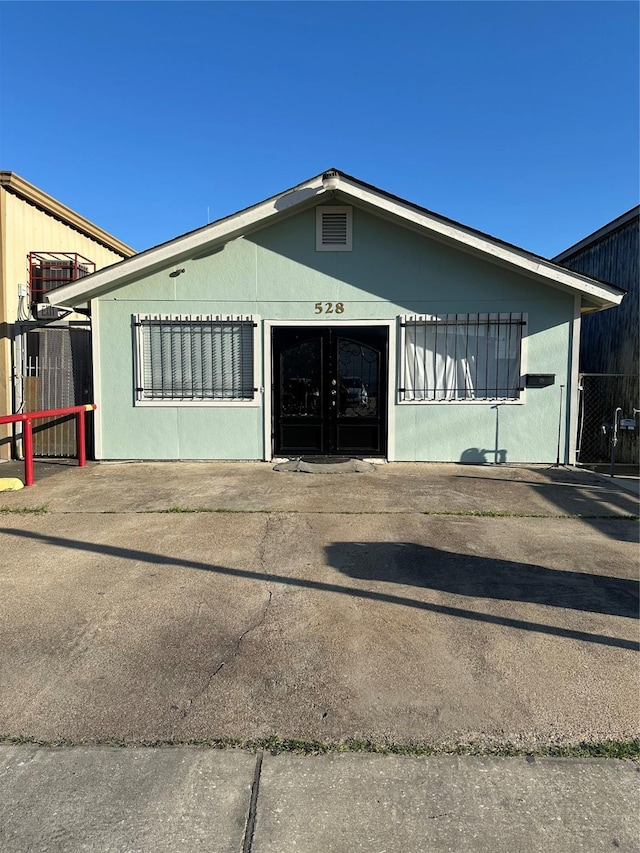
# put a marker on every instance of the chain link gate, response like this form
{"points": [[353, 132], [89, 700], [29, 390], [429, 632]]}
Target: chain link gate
{"points": [[600, 395]]}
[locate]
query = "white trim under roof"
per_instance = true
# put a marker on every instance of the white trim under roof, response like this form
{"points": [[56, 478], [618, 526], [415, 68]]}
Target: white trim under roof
{"points": [[341, 188]]}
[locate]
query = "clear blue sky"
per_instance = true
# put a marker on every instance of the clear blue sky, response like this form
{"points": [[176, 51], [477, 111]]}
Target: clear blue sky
{"points": [[517, 118]]}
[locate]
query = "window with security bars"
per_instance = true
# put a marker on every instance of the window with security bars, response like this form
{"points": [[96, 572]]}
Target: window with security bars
{"points": [[49, 271], [195, 358], [462, 357]]}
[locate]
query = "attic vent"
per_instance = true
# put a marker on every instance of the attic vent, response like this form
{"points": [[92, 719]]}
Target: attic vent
{"points": [[333, 229]]}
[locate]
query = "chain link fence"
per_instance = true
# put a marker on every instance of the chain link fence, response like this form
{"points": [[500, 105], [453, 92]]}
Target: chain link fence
{"points": [[600, 395]]}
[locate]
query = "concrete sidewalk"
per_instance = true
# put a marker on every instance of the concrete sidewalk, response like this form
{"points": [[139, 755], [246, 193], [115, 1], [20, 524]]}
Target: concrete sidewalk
{"points": [[111, 800]]}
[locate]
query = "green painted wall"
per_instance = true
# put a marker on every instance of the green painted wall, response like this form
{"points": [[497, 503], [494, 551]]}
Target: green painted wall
{"points": [[276, 274]]}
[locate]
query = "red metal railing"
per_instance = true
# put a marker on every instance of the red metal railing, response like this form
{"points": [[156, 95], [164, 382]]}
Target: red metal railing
{"points": [[27, 419]]}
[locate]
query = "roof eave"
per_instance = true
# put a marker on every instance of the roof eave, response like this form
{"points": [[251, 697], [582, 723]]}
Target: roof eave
{"points": [[600, 234], [16, 185], [348, 189], [195, 243]]}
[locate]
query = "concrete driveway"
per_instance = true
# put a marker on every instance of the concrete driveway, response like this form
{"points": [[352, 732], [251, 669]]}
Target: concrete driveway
{"points": [[430, 604]]}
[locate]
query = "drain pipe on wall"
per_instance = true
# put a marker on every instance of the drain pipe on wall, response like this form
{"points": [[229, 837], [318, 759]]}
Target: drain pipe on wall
{"points": [[18, 388], [559, 426]]}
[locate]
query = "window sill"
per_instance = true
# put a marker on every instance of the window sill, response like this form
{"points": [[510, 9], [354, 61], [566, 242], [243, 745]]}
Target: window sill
{"points": [[256, 403], [496, 402]]}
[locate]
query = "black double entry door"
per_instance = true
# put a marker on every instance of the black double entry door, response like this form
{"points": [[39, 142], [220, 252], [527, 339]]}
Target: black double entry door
{"points": [[330, 390]]}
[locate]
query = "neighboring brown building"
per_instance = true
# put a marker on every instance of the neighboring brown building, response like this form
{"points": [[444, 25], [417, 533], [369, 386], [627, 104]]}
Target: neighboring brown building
{"points": [[44, 352]]}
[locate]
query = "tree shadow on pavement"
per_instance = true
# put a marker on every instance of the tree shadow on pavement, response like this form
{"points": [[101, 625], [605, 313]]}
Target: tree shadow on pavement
{"points": [[356, 557]]}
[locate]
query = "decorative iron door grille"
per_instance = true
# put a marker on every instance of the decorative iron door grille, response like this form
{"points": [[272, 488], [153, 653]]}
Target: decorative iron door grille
{"points": [[330, 391]]}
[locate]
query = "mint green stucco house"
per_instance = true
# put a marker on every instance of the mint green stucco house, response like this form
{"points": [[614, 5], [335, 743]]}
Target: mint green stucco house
{"points": [[335, 319]]}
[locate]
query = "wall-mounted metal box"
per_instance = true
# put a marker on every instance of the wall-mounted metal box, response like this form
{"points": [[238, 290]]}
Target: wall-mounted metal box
{"points": [[539, 380]]}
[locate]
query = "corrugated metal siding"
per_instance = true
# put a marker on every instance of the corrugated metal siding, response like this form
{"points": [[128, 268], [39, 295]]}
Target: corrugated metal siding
{"points": [[26, 228], [29, 229], [609, 342]]}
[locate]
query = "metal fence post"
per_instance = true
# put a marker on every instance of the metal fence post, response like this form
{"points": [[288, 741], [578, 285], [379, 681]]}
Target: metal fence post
{"points": [[80, 439], [27, 441]]}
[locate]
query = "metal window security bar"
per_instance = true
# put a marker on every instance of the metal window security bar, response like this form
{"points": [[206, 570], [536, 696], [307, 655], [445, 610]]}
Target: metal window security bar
{"points": [[194, 357], [462, 357], [50, 270]]}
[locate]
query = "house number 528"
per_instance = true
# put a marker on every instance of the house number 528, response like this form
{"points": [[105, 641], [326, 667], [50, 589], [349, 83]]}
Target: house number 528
{"points": [[329, 308]]}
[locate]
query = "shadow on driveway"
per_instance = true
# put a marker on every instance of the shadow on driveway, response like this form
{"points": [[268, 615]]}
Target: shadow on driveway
{"points": [[485, 577], [567, 491], [500, 579]]}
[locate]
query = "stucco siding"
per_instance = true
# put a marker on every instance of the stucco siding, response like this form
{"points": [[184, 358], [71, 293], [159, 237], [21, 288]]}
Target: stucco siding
{"points": [[277, 275]]}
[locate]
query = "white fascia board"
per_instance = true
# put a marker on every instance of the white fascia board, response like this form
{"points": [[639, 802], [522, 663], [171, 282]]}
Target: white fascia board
{"points": [[185, 247], [211, 236], [476, 243]]}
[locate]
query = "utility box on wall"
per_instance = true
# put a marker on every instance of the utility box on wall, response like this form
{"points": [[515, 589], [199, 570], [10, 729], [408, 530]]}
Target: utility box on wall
{"points": [[539, 380]]}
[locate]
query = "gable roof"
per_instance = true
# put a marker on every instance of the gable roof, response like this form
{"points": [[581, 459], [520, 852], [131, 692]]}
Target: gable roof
{"points": [[16, 185], [337, 186]]}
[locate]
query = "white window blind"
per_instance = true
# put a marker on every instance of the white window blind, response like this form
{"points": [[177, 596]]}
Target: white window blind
{"points": [[195, 358]]}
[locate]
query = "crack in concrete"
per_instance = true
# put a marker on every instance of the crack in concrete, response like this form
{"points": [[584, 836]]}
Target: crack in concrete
{"points": [[185, 711], [255, 626], [231, 658], [262, 547]]}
